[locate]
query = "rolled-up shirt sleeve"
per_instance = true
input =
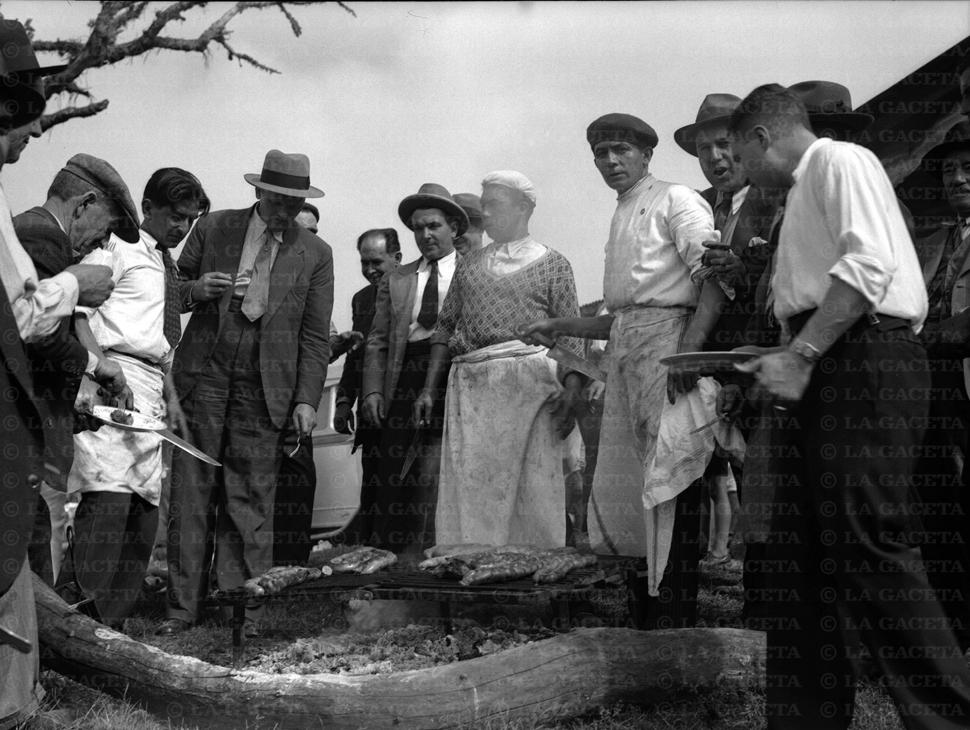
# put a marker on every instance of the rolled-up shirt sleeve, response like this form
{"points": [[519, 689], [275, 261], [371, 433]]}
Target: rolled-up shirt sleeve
{"points": [[858, 222], [44, 304], [691, 223]]}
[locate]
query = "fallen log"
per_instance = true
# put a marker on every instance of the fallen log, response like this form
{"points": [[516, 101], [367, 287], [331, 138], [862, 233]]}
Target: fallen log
{"points": [[550, 680]]}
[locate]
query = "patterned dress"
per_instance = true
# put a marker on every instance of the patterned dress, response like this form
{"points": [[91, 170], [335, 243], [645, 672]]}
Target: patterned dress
{"points": [[501, 468]]}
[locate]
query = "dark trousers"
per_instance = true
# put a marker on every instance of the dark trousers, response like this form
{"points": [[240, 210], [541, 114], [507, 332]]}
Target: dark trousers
{"points": [[229, 507], [676, 606], [404, 508], [944, 500], [113, 538], [842, 555], [293, 510], [360, 531]]}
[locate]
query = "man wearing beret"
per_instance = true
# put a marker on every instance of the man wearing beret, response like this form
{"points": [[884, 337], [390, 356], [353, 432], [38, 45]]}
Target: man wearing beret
{"points": [[651, 286], [504, 397], [396, 361], [250, 371], [86, 201]]}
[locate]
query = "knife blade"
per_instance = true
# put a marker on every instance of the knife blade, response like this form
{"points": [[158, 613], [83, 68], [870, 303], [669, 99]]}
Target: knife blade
{"points": [[187, 447], [570, 360], [412, 453]]}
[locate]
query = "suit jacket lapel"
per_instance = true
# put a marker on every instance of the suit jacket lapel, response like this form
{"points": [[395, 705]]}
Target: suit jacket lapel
{"points": [[286, 269], [403, 287], [932, 249]]}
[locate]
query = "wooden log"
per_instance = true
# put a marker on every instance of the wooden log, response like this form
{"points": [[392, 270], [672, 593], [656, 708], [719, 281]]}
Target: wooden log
{"points": [[549, 680]]}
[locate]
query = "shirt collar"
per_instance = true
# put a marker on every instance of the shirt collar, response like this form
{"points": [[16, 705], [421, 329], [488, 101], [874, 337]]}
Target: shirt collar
{"points": [[737, 198], [806, 155], [644, 181], [259, 226], [423, 266], [148, 238]]}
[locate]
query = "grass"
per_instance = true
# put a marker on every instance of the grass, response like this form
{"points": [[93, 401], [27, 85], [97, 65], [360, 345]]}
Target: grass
{"points": [[72, 706]]}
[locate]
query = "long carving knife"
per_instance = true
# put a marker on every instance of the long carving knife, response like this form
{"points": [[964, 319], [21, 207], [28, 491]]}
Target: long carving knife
{"points": [[570, 360]]}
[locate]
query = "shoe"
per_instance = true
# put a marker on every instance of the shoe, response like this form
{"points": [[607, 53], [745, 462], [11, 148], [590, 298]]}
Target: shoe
{"points": [[712, 560], [172, 626]]}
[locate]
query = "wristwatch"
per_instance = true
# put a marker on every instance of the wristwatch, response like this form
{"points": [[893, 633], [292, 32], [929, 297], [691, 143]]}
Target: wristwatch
{"points": [[805, 350]]}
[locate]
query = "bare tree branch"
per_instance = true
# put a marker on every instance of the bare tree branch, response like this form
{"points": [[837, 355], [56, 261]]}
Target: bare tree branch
{"points": [[72, 112], [114, 17]]}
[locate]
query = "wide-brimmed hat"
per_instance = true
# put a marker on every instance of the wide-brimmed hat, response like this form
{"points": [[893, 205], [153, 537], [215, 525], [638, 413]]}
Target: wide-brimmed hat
{"points": [[957, 137], [17, 53], [287, 174], [432, 195], [714, 108], [830, 103], [471, 204], [101, 176]]}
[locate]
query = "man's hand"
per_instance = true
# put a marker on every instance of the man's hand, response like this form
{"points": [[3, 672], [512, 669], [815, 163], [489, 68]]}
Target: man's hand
{"points": [[176, 419], [84, 420], [114, 387], [345, 342], [211, 285], [783, 375], [423, 405], [730, 399], [374, 409], [304, 419], [726, 265], [595, 390], [343, 418], [94, 283], [544, 328]]}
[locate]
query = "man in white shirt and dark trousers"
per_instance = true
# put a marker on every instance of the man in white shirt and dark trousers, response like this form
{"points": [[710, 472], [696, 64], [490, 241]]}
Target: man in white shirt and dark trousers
{"points": [[848, 288], [119, 472]]}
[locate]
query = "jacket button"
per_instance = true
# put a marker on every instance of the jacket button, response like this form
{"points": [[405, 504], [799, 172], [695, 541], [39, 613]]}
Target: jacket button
{"points": [[33, 480]]}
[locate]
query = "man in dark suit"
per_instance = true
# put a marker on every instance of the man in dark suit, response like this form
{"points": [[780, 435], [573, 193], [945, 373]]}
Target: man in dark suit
{"points": [[396, 361], [380, 252], [86, 201], [250, 371], [742, 216]]}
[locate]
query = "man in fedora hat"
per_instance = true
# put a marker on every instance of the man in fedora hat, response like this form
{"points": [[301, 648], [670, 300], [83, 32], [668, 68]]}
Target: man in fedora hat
{"points": [[250, 371], [470, 240], [396, 361], [742, 215], [504, 397], [651, 286]]}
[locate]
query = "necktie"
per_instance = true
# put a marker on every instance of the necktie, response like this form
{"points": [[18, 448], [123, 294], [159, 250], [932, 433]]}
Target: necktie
{"points": [[172, 326], [722, 211], [257, 293], [429, 300]]}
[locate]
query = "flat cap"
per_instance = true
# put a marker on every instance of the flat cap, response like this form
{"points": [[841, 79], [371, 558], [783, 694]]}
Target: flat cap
{"points": [[621, 128], [105, 179]]}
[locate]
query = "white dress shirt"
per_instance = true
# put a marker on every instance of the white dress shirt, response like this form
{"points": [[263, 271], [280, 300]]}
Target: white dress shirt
{"points": [[132, 320], [654, 250], [842, 220], [38, 305], [446, 270]]}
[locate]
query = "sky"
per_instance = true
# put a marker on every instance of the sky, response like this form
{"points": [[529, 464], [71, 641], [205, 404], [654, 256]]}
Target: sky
{"points": [[406, 93]]}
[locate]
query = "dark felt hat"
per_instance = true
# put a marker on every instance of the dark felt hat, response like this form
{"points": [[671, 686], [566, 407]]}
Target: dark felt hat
{"points": [[432, 195], [957, 137], [621, 128], [287, 174], [17, 52], [829, 103], [715, 108], [471, 204], [105, 179]]}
